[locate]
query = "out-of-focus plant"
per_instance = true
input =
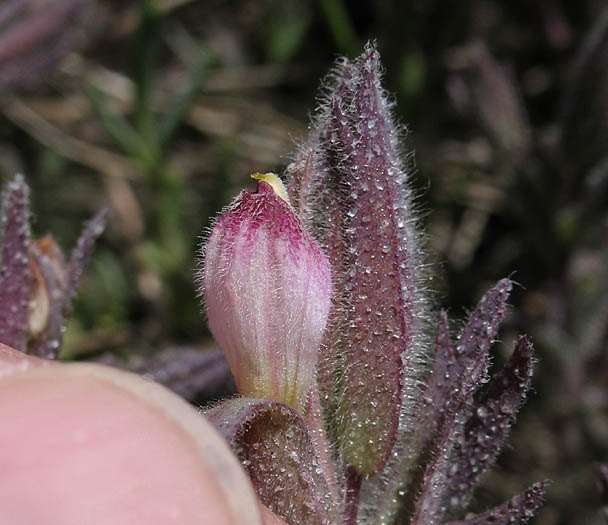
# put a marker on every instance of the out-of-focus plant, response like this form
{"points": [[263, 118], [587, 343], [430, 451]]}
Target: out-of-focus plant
{"points": [[545, 177], [513, 156], [35, 35], [146, 139], [37, 284], [37, 288], [363, 425]]}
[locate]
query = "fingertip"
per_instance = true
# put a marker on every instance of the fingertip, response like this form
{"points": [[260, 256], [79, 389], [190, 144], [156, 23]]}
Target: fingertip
{"points": [[13, 361], [89, 444]]}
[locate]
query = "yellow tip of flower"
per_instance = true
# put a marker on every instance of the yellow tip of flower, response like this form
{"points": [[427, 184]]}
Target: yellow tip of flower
{"points": [[275, 182]]}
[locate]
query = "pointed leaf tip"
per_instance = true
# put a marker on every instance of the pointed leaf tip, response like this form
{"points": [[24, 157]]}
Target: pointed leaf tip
{"points": [[372, 244], [82, 251], [518, 510], [480, 333], [457, 375], [348, 184]]}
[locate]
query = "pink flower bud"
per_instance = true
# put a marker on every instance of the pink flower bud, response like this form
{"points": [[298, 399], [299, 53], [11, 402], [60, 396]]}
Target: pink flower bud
{"points": [[267, 288]]}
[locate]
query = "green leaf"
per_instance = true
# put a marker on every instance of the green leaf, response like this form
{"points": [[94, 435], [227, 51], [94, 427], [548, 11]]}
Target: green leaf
{"points": [[144, 71], [116, 125], [182, 103]]}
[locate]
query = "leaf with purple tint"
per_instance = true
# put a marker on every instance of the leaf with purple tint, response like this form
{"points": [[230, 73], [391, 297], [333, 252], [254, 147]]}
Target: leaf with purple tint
{"points": [[440, 384], [352, 195], [458, 371], [302, 173], [192, 373], [313, 186], [438, 405], [473, 345], [315, 192], [276, 450], [315, 424], [15, 272], [437, 408], [35, 35], [457, 374], [82, 252], [196, 374], [487, 428], [518, 510], [314, 180], [61, 283]]}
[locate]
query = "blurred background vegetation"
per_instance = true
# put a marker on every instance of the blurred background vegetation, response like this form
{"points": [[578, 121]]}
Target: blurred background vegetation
{"points": [[160, 110]]}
